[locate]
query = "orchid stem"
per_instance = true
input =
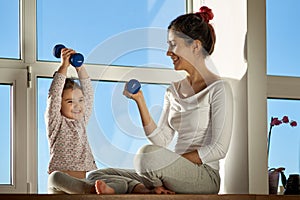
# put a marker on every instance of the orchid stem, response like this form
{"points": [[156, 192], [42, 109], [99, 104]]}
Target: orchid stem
{"points": [[269, 136]]}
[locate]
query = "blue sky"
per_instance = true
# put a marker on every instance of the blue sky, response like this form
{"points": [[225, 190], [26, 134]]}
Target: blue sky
{"points": [[59, 22], [283, 41], [5, 127]]}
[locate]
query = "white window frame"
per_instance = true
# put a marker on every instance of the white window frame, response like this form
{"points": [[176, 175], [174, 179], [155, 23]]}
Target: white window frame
{"points": [[257, 99], [17, 79]]}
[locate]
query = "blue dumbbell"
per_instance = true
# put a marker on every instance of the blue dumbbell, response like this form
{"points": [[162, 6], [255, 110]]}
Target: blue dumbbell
{"points": [[133, 86], [76, 59]]}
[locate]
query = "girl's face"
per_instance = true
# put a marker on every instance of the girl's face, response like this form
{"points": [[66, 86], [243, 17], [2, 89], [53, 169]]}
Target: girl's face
{"points": [[72, 105], [180, 52]]}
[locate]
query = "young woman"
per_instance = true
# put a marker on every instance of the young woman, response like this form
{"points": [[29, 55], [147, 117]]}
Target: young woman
{"points": [[198, 109]]}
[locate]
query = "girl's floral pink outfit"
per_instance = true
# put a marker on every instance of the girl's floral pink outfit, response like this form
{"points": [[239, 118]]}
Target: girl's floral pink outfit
{"points": [[69, 147]]}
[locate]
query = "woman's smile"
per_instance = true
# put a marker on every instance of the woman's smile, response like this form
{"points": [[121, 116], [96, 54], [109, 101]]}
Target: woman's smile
{"points": [[174, 58]]}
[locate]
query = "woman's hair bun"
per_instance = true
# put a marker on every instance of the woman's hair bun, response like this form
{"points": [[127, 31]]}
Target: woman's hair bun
{"points": [[206, 13]]}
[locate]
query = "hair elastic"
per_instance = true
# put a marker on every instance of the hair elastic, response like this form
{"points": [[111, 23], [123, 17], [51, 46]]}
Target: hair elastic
{"points": [[206, 13]]}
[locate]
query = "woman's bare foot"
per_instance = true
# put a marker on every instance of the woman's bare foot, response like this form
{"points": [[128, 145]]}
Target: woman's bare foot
{"points": [[102, 188]]}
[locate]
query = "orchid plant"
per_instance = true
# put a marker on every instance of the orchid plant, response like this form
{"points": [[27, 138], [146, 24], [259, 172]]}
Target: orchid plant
{"points": [[276, 122]]}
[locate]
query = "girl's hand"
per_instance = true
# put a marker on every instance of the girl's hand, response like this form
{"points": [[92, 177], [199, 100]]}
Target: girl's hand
{"points": [[65, 56], [126, 93]]}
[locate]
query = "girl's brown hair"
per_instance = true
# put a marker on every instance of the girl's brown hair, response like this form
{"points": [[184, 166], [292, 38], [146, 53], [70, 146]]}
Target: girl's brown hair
{"points": [[71, 84]]}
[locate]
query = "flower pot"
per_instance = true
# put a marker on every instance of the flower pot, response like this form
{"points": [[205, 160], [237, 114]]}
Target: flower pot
{"points": [[273, 181]]}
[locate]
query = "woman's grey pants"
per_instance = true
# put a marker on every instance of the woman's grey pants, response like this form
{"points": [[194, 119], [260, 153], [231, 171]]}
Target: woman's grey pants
{"points": [[161, 166]]}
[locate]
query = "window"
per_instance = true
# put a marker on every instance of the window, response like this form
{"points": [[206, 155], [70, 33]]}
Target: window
{"points": [[13, 130], [9, 23], [43, 85], [114, 131], [283, 37], [284, 145], [5, 136], [283, 72], [115, 32]]}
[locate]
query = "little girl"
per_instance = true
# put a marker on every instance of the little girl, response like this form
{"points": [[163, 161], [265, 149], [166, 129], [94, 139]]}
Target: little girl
{"points": [[69, 107]]}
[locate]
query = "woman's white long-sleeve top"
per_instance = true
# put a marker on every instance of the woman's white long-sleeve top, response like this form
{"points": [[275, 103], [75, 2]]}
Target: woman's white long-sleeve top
{"points": [[203, 121]]}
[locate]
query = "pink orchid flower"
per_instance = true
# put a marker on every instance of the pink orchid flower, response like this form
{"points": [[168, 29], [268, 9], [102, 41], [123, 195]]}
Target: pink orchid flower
{"points": [[276, 122]]}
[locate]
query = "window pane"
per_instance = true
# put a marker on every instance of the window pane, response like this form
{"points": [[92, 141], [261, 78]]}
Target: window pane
{"points": [[5, 134], [283, 37], [43, 85], [115, 132], [116, 125], [9, 23], [114, 32], [284, 145]]}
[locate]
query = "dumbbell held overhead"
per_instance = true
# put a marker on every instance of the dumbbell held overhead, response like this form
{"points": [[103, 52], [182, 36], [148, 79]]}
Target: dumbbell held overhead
{"points": [[76, 59], [133, 86]]}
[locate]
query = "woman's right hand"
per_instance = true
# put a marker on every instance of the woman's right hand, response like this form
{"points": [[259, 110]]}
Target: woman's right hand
{"points": [[130, 95], [140, 101]]}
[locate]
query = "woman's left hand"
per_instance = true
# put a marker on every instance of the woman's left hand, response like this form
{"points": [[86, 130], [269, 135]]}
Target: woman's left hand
{"points": [[192, 156]]}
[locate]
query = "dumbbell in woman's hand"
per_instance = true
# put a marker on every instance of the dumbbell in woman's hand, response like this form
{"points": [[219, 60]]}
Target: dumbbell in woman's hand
{"points": [[133, 86], [76, 59]]}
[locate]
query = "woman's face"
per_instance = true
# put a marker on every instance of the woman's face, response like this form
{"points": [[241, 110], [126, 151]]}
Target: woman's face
{"points": [[72, 105], [180, 52]]}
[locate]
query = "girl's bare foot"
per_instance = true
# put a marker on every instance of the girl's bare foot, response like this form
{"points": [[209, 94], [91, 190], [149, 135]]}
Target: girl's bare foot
{"points": [[102, 188]]}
